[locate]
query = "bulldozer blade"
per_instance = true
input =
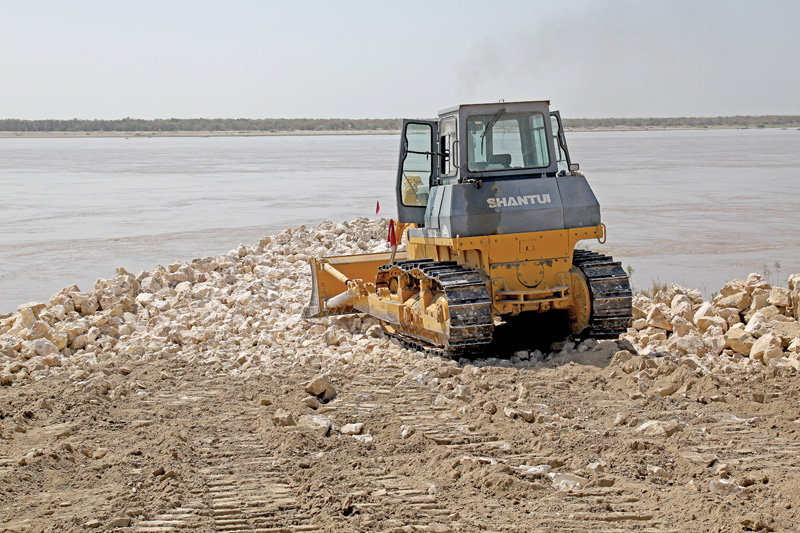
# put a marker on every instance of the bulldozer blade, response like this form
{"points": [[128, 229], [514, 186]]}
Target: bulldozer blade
{"points": [[327, 289]]}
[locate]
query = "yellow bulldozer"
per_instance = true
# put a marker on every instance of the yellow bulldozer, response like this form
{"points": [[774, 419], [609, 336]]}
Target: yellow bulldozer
{"points": [[490, 208]]}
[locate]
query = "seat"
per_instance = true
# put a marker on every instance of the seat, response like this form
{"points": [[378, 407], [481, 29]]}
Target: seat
{"points": [[500, 159]]}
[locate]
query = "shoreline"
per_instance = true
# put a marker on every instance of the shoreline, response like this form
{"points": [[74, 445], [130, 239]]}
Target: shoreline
{"points": [[303, 133]]}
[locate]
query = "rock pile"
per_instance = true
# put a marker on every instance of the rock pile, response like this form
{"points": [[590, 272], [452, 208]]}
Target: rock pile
{"points": [[750, 324], [241, 311], [232, 313]]}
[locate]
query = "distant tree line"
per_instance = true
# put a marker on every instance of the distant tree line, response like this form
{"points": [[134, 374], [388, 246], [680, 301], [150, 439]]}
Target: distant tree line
{"points": [[739, 121], [340, 124], [202, 124]]}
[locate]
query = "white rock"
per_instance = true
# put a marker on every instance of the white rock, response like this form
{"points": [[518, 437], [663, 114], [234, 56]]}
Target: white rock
{"points": [[657, 428], [319, 424], [707, 309], [406, 432], [725, 487], [352, 429], [739, 340], [44, 347], [756, 281], [657, 317], [657, 471], [283, 418], [757, 325], [767, 347], [567, 481], [780, 297], [536, 470], [322, 387]]}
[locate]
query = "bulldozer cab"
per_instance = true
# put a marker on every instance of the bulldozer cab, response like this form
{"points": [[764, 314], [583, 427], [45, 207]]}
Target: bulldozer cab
{"points": [[473, 143]]}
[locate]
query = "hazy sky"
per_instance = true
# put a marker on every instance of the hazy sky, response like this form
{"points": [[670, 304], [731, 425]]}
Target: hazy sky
{"points": [[340, 58]]}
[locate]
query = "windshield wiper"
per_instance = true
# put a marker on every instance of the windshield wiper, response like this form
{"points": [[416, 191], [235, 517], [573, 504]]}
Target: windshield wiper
{"points": [[490, 124]]}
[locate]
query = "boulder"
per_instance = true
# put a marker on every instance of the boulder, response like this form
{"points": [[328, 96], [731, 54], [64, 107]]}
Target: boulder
{"points": [[757, 325], [44, 347], [760, 299], [58, 338], [780, 297], [691, 344], [35, 307], [37, 330], [352, 429], [766, 347], [683, 310], [695, 296], [657, 317], [322, 387], [707, 309], [704, 322], [770, 311], [732, 287], [756, 281], [738, 340], [682, 327], [714, 339], [681, 306], [787, 330], [567, 481], [740, 300], [725, 487], [641, 305], [794, 346], [283, 418], [657, 428], [318, 424], [312, 402], [794, 282]]}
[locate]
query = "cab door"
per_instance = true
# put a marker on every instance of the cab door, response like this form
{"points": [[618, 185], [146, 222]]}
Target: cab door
{"points": [[417, 170], [560, 142]]}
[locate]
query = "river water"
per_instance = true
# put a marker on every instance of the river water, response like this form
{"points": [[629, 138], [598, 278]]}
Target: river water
{"points": [[693, 207]]}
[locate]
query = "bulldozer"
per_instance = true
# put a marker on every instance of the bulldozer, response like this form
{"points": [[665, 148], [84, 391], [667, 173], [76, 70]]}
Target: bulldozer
{"points": [[490, 208]]}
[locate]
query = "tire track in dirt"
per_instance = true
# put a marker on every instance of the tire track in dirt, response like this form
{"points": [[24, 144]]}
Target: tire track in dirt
{"points": [[414, 404], [241, 487]]}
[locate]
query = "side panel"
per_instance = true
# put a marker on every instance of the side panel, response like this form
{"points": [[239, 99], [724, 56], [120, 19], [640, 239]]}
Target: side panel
{"points": [[496, 208], [581, 208]]}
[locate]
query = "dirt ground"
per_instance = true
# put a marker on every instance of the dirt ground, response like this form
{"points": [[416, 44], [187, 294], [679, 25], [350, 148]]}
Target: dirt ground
{"points": [[564, 446]]}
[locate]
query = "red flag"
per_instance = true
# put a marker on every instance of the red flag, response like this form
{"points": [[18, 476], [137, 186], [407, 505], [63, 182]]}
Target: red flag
{"points": [[392, 237], [378, 207]]}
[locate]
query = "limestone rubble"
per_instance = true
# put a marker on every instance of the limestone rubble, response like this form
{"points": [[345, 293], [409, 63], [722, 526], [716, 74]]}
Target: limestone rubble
{"points": [[228, 313], [747, 326], [242, 309]]}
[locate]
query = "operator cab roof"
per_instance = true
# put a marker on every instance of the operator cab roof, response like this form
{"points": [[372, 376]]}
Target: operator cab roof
{"points": [[453, 109]]}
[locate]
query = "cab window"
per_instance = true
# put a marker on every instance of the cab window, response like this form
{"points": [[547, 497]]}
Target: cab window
{"points": [[507, 142], [561, 154], [416, 173], [449, 144]]}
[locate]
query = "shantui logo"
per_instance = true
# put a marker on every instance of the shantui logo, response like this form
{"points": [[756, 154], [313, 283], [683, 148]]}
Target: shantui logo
{"points": [[530, 199]]}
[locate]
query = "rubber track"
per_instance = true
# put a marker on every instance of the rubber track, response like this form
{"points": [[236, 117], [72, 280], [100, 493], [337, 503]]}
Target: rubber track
{"points": [[611, 294], [468, 303]]}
